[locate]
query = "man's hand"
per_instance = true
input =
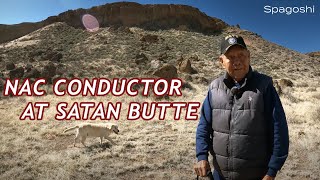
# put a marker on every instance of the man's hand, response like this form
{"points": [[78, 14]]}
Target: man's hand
{"points": [[266, 177], [202, 167]]}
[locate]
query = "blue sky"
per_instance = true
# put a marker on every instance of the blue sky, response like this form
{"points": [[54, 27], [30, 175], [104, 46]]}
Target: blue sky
{"points": [[300, 32]]}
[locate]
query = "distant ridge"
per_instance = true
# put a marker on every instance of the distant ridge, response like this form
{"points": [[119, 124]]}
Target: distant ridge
{"points": [[314, 54], [129, 14]]}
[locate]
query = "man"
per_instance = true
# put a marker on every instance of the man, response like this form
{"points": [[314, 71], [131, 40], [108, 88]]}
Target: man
{"points": [[242, 122]]}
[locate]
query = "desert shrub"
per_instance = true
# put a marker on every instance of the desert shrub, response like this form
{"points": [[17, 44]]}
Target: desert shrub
{"points": [[294, 120], [311, 89], [316, 96], [291, 98], [303, 84], [317, 115]]}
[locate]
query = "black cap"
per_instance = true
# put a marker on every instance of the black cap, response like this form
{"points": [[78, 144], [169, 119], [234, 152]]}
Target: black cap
{"points": [[231, 40]]}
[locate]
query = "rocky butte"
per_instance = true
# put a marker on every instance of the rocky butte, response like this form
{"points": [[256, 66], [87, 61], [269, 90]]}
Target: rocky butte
{"points": [[128, 14]]}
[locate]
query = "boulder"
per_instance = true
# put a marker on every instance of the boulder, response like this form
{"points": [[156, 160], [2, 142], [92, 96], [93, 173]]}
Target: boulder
{"points": [[48, 72], [149, 38], [54, 56], [10, 66], [185, 66], [16, 73], [33, 73], [285, 83], [167, 71]]}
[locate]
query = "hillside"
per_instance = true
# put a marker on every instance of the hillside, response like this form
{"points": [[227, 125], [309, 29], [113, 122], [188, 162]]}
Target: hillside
{"points": [[145, 149], [119, 50]]}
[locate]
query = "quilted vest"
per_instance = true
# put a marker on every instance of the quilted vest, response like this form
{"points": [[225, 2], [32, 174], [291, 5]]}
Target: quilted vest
{"points": [[241, 143]]}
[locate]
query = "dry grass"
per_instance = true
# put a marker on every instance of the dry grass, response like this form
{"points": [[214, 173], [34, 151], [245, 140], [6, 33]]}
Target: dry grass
{"points": [[145, 149], [304, 124]]}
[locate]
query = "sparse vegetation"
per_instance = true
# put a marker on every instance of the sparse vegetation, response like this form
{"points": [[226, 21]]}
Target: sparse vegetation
{"points": [[146, 149]]}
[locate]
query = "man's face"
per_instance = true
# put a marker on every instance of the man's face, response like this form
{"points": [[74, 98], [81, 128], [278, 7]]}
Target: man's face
{"points": [[236, 62]]}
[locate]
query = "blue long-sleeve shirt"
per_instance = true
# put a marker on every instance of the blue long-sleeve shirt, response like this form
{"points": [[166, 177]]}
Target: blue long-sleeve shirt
{"points": [[279, 132]]}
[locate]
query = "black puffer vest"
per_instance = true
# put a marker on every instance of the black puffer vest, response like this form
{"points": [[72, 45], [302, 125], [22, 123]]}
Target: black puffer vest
{"points": [[241, 138]]}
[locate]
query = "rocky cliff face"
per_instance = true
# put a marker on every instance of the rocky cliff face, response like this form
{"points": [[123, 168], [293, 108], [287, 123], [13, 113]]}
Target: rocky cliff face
{"points": [[314, 54], [150, 17]]}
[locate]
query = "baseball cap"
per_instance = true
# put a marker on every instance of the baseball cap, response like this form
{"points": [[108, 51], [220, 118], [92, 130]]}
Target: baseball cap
{"points": [[231, 40]]}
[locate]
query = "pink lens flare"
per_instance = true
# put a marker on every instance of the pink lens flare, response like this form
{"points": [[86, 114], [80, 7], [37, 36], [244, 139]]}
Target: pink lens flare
{"points": [[90, 23]]}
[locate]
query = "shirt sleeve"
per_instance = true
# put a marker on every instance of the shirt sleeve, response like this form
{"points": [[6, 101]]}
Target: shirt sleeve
{"points": [[280, 133], [204, 131]]}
